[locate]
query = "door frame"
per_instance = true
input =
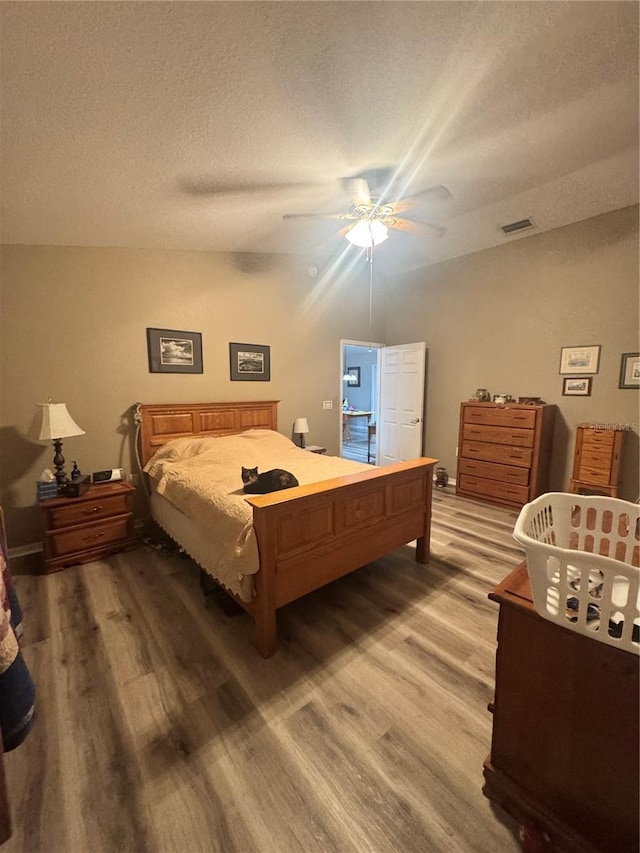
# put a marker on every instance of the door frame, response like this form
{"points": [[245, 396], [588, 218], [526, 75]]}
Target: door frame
{"points": [[344, 342]]}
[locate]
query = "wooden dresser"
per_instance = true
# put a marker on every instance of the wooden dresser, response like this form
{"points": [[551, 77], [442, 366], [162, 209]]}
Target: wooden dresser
{"points": [[504, 451], [79, 530], [565, 750], [597, 460]]}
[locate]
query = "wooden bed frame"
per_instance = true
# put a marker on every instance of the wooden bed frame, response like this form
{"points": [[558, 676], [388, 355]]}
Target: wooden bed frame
{"points": [[310, 535]]}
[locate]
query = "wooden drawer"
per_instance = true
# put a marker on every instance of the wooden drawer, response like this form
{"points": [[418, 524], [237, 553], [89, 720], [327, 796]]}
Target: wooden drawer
{"points": [[498, 435], [500, 416], [502, 453], [595, 439], [493, 471], [595, 476], [87, 536], [494, 489], [600, 458], [84, 511]]}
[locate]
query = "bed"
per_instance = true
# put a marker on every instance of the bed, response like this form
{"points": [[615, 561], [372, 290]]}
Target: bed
{"points": [[304, 537]]}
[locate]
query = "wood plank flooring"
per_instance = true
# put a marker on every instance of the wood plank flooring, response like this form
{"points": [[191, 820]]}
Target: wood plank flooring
{"points": [[355, 447], [159, 728]]}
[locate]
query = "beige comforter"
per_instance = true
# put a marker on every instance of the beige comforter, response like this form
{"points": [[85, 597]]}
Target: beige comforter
{"points": [[201, 477]]}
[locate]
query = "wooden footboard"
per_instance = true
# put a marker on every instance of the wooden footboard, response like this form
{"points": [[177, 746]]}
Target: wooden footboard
{"points": [[311, 535]]}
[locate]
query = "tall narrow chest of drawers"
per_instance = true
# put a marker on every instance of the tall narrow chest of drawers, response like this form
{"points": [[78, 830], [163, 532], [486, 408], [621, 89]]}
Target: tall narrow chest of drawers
{"points": [[597, 460], [504, 451]]}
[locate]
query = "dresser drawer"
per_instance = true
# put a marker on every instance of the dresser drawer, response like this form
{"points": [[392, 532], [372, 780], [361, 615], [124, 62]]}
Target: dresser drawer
{"points": [[83, 511], [499, 435], [500, 416], [594, 476], [88, 536], [502, 453], [494, 489], [493, 471], [595, 439], [600, 458]]}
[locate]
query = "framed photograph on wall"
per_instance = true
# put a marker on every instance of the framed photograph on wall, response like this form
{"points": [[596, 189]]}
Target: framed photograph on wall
{"points": [[171, 351], [250, 362], [354, 377], [630, 370], [579, 359], [577, 386]]}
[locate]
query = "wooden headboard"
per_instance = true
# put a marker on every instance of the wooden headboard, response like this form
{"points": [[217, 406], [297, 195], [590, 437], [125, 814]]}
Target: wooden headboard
{"points": [[162, 422]]}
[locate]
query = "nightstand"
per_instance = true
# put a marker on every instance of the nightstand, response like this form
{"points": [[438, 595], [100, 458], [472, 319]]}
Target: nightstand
{"points": [[93, 526], [315, 448]]}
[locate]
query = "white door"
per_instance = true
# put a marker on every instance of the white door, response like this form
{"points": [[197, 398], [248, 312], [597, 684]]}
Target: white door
{"points": [[400, 423]]}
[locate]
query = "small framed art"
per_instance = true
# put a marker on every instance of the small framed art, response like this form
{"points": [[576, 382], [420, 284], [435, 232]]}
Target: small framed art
{"points": [[630, 370], [171, 351], [250, 362], [577, 386], [579, 359], [354, 377]]}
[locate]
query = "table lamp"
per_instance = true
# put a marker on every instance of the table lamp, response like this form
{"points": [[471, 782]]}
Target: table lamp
{"points": [[301, 426], [53, 422]]}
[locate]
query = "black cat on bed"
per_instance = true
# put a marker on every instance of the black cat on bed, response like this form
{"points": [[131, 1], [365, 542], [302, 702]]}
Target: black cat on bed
{"points": [[270, 481]]}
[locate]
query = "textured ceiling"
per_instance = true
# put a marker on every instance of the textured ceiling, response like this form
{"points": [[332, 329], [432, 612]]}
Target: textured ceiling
{"points": [[198, 125]]}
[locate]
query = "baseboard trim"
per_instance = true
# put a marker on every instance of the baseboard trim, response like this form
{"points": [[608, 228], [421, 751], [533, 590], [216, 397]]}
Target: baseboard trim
{"points": [[25, 550]]}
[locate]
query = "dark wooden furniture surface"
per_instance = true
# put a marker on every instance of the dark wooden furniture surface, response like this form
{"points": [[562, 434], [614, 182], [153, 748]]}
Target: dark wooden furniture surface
{"points": [[312, 534], [565, 744], [504, 451], [597, 460], [90, 527]]}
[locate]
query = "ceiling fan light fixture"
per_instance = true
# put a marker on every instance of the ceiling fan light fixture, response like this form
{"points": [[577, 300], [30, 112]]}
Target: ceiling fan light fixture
{"points": [[367, 233]]}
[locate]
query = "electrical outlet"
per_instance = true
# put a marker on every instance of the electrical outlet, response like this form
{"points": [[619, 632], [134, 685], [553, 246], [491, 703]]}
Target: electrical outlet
{"points": [[327, 404]]}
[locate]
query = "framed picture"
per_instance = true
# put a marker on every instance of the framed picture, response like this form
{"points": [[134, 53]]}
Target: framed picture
{"points": [[250, 363], [577, 386], [354, 377], [171, 351], [630, 370], [579, 359]]}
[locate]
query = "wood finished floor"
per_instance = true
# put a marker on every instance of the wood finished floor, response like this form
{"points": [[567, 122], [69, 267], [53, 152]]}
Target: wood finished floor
{"points": [[160, 729], [355, 447]]}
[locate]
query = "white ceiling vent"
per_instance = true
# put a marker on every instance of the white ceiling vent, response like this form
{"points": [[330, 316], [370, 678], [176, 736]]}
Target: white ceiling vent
{"points": [[520, 225]]}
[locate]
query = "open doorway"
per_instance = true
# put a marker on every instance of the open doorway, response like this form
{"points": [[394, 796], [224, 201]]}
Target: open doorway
{"points": [[360, 390]]}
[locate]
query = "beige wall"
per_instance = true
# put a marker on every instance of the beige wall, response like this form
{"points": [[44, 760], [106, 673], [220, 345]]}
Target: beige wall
{"points": [[498, 318], [72, 327]]}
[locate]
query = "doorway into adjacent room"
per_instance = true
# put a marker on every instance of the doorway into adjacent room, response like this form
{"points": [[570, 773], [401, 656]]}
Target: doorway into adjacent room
{"points": [[360, 394]]}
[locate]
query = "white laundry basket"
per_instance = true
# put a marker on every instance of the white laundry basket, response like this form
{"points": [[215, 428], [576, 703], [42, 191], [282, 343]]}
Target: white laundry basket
{"points": [[583, 556]]}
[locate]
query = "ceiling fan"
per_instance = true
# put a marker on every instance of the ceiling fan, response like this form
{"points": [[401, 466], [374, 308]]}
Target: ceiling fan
{"points": [[372, 212]]}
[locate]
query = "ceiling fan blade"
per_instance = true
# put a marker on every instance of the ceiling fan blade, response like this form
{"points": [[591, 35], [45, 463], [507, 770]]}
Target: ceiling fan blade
{"points": [[439, 193], [358, 189], [319, 216], [420, 229]]}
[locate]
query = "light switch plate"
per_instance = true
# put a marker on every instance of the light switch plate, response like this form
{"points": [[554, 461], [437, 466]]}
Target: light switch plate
{"points": [[327, 404]]}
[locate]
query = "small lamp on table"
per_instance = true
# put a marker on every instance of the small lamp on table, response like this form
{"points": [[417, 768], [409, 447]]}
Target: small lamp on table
{"points": [[52, 422], [301, 428]]}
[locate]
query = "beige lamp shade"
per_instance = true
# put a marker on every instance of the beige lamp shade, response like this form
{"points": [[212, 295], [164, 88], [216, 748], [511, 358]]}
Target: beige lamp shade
{"points": [[300, 427], [51, 421]]}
